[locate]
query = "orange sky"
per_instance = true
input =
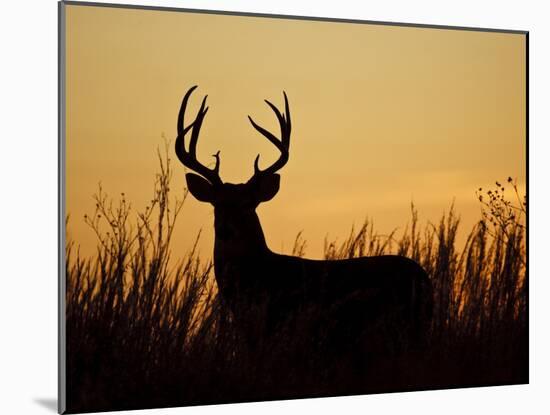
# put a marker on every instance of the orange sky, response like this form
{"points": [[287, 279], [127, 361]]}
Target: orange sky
{"points": [[382, 116]]}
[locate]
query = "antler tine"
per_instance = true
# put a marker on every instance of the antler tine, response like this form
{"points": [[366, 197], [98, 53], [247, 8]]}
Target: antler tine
{"points": [[288, 122], [181, 129], [266, 133], [197, 124], [189, 158], [283, 145]]}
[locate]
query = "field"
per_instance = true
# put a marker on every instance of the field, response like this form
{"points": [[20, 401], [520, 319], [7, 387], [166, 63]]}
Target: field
{"points": [[147, 330]]}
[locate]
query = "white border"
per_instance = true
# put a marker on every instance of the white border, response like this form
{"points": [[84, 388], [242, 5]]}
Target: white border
{"points": [[29, 202]]}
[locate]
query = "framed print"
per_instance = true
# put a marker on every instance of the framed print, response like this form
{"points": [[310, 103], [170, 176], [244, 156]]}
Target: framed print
{"points": [[265, 207]]}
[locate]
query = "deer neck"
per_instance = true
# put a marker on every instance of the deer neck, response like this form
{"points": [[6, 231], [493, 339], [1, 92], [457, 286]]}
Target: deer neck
{"points": [[248, 241], [236, 259]]}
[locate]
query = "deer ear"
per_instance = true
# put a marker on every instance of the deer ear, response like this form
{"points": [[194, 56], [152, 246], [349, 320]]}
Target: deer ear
{"points": [[200, 188], [268, 187]]}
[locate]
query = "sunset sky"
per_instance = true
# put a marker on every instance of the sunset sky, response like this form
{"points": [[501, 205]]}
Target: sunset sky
{"points": [[382, 116]]}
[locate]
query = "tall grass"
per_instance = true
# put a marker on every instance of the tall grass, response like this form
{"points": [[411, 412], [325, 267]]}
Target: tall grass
{"points": [[147, 331]]}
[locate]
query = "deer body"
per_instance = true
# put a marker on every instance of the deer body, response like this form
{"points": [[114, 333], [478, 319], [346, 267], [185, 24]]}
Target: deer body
{"points": [[359, 292], [386, 297]]}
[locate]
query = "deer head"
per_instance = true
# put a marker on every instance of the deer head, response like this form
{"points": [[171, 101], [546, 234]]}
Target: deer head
{"points": [[234, 204]]}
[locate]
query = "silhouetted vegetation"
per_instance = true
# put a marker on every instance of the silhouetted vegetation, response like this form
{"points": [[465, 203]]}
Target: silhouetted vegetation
{"points": [[145, 330]]}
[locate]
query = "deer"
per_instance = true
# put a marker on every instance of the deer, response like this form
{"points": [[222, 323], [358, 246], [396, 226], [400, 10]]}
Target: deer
{"points": [[389, 297]]}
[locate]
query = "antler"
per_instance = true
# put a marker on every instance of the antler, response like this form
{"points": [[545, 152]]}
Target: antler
{"points": [[189, 158], [283, 145]]}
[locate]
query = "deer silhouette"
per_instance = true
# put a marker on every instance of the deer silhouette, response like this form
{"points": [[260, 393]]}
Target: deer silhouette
{"points": [[388, 297]]}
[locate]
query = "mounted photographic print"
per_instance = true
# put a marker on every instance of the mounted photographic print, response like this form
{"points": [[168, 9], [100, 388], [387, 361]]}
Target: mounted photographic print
{"points": [[258, 207]]}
